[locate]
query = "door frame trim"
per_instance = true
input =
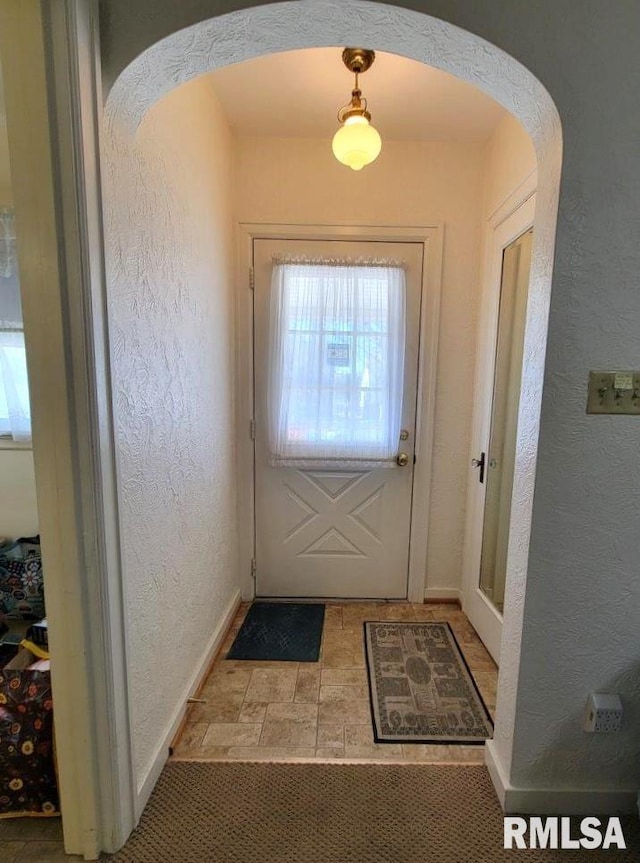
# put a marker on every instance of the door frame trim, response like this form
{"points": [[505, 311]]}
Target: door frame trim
{"points": [[513, 218], [431, 236], [52, 84]]}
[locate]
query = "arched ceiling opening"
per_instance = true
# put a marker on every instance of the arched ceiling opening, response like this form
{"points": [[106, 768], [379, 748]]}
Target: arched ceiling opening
{"points": [[291, 26]]}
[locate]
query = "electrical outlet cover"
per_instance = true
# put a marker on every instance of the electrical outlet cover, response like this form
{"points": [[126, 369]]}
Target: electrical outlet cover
{"points": [[604, 713]]}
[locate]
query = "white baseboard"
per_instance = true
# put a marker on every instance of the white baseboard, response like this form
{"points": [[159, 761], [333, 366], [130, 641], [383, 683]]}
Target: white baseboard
{"points": [[557, 801], [432, 594], [148, 781], [495, 772]]}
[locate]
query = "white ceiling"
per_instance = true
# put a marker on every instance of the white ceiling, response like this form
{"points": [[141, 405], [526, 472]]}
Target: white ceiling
{"points": [[298, 93]]}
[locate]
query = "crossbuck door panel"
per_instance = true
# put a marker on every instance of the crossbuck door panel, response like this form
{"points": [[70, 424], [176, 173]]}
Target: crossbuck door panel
{"points": [[336, 358]]}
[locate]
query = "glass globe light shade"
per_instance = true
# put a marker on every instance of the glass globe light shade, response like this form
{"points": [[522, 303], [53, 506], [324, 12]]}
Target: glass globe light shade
{"points": [[357, 143]]}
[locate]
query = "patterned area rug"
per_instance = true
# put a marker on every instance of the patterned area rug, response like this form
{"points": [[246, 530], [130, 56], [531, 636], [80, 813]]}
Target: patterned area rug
{"points": [[225, 812], [421, 688], [280, 631]]}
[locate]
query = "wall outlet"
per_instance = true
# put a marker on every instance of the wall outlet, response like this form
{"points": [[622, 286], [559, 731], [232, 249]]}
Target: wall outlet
{"points": [[604, 712]]}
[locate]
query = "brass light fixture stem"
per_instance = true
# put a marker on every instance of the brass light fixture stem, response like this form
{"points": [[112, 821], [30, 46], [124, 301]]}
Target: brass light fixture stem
{"points": [[357, 60]]}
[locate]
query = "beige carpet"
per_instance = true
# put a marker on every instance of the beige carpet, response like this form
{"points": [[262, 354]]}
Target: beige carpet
{"points": [[228, 812]]}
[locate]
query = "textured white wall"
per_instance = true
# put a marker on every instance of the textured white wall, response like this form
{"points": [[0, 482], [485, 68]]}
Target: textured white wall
{"points": [[168, 213], [411, 183]]}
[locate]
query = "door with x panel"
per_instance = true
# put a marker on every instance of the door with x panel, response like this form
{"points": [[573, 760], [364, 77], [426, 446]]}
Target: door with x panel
{"points": [[336, 343]]}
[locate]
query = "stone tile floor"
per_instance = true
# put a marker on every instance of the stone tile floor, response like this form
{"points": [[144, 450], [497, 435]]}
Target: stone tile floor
{"points": [[288, 710], [284, 710]]}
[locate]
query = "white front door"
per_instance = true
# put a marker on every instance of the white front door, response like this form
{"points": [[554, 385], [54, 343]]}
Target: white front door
{"points": [[336, 343]]}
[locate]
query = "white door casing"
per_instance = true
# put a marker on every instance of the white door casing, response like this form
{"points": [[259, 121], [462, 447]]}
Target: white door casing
{"points": [[331, 531], [50, 55], [431, 238]]}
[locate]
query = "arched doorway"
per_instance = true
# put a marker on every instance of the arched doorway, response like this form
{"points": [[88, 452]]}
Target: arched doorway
{"points": [[245, 34]]}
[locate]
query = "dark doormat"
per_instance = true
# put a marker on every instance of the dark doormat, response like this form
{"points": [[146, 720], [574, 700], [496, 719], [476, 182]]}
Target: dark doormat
{"points": [[280, 631], [421, 688]]}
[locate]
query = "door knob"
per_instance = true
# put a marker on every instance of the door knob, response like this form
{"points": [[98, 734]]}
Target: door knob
{"points": [[402, 459]]}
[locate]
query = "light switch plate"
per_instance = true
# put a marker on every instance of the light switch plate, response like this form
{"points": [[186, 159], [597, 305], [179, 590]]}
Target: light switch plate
{"points": [[614, 392]]}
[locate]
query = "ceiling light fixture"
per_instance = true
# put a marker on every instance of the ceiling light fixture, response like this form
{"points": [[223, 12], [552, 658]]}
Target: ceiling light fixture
{"points": [[356, 143]]}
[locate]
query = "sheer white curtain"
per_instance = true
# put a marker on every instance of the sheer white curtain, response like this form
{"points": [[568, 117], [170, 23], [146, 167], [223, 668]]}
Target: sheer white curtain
{"points": [[336, 364]]}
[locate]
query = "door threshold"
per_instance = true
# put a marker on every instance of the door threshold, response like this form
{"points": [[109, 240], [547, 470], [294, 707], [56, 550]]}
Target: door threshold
{"points": [[326, 599]]}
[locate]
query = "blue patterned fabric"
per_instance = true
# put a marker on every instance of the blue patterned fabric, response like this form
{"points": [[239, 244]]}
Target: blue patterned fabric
{"points": [[21, 583]]}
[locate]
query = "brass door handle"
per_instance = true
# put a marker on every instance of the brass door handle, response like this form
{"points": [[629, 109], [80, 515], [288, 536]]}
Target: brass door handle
{"points": [[402, 459]]}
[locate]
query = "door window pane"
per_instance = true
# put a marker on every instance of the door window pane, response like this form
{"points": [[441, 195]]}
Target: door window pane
{"points": [[336, 362]]}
